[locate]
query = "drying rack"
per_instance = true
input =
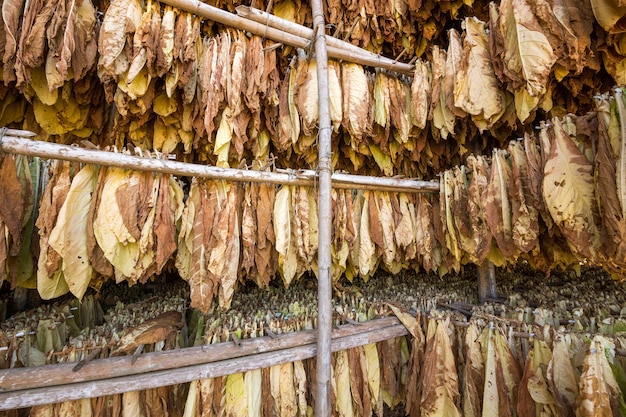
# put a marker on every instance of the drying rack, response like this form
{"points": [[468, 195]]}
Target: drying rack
{"points": [[60, 383]]}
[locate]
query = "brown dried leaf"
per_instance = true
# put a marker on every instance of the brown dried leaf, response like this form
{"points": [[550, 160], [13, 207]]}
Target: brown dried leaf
{"points": [[11, 16], [476, 204], [150, 331], [228, 279], [168, 210], [440, 382], [498, 204], [12, 202], [525, 216]]}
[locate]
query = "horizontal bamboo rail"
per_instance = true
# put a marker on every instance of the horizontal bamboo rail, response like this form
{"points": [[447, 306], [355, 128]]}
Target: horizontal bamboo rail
{"points": [[23, 145], [276, 22], [336, 50], [56, 383]]}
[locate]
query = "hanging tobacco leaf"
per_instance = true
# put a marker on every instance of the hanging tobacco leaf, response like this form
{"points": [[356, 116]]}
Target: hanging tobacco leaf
{"points": [[569, 193]]}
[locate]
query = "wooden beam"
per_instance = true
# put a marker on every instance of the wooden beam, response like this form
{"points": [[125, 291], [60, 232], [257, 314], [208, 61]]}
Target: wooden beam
{"points": [[229, 19], [24, 146], [374, 60], [49, 375], [109, 386]]}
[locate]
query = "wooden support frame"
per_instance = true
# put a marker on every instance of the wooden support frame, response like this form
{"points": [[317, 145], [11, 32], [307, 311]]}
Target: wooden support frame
{"points": [[57, 383]]}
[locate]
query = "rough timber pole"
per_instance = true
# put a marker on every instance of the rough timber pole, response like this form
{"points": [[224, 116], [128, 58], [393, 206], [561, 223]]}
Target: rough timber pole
{"points": [[324, 290]]}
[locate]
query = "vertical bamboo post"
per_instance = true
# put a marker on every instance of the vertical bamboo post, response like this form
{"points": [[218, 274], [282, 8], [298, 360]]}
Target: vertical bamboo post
{"points": [[324, 290]]}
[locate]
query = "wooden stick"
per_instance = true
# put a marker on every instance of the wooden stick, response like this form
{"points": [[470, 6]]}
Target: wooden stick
{"points": [[20, 145], [221, 16], [52, 375], [264, 18], [98, 388]]}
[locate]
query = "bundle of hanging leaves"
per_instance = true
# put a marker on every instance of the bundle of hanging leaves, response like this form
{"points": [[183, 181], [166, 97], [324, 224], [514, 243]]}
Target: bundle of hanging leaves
{"points": [[156, 77]]}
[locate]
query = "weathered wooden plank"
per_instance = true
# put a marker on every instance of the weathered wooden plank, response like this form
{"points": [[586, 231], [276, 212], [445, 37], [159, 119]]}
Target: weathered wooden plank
{"points": [[59, 374], [90, 389]]}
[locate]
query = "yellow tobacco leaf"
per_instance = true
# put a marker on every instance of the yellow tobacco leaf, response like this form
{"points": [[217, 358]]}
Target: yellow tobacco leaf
{"points": [[528, 54], [367, 248], [235, 396], [306, 95], [381, 100], [356, 99], [608, 13], [334, 92], [382, 159], [561, 374], [568, 190], [341, 374], [69, 236], [285, 241], [420, 93], [476, 87], [223, 139]]}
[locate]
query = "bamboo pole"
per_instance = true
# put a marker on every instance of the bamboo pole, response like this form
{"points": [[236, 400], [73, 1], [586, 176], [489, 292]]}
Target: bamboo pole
{"points": [[110, 386], [221, 16], [51, 375], [268, 19], [323, 364], [24, 146]]}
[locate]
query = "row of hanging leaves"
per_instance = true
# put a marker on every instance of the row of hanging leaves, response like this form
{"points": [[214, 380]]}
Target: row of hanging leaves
{"points": [[445, 367], [228, 96], [553, 199]]}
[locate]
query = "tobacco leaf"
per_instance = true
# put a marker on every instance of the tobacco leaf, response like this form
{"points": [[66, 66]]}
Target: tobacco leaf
{"points": [[169, 206], [440, 115], [12, 202], [477, 211], [440, 383], [285, 235], [446, 192], [528, 56], [455, 57], [112, 35], [249, 231], [421, 93], [150, 331], [11, 16], [388, 247], [525, 216], [562, 377], [474, 380], [53, 198], [476, 87], [32, 10], [306, 99], [367, 245], [96, 256], [232, 251], [498, 204], [69, 235], [568, 190], [594, 393], [613, 227]]}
